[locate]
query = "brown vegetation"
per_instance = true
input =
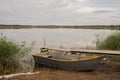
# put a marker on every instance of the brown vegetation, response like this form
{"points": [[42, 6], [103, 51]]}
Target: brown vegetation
{"points": [[106, 71]]}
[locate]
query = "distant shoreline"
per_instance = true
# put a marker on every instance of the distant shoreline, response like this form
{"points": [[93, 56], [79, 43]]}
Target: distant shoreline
{"points": [[111, 27]]}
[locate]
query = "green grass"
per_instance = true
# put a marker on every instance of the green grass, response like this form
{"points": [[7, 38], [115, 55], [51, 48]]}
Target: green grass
{"points": [[111, 42], [10, 55]]}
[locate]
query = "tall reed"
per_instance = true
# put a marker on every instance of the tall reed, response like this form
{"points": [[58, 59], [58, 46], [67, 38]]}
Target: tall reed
{"points": [[111, 42], [10, 54]]}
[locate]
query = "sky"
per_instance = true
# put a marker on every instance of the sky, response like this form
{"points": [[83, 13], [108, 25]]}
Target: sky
{"points": [[60, 12]]}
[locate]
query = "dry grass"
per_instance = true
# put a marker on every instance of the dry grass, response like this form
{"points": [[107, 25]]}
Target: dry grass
{"points": [[103, 72]]}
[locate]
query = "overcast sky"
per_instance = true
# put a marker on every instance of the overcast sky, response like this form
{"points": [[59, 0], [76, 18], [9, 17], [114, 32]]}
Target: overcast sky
{"points": [[60, 12]]}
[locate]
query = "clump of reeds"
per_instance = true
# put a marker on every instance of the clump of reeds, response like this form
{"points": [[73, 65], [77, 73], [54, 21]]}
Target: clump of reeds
{"points": [[10, 54], [111, 42]]}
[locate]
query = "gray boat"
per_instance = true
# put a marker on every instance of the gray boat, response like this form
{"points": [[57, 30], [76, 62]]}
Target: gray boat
{"points": [[67, 60]]}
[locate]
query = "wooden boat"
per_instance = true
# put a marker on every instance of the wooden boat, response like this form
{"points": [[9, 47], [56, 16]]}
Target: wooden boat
{"points": [[67, 60]]}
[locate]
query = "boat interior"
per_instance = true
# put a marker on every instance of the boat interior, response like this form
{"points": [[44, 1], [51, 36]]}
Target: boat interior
{"points": [[64, 55]]}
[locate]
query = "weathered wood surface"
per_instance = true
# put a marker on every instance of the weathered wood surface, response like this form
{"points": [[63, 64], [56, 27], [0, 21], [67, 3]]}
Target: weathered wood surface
{"points": [[106, 52], [98, 52]]}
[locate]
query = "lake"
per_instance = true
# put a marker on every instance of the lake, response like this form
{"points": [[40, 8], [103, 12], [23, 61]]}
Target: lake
{"points": [[68, 38]]}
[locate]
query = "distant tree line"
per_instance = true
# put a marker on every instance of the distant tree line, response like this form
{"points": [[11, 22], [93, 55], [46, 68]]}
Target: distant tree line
{"points": [[5, 26]]}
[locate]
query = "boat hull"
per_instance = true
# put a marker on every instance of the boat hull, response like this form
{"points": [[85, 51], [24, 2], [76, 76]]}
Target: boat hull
{"points": [[91, 64]]}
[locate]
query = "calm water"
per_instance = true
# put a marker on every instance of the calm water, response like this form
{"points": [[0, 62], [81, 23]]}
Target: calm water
{"points": [[55, 37]]}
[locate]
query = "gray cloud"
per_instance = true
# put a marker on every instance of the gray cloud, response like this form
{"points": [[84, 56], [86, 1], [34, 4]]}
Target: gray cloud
{"points": [[103, 11], [71, 12]]}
